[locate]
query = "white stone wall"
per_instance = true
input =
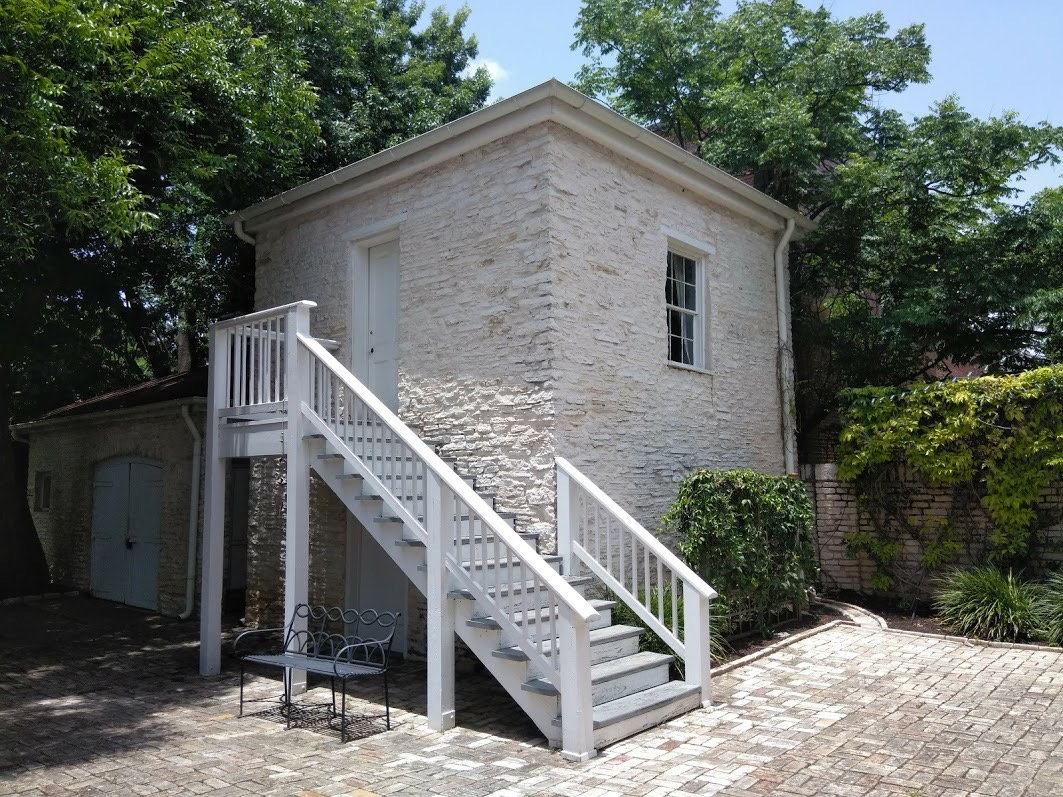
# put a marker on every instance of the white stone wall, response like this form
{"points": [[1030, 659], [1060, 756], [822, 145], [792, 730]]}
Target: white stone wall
{"points": [[532, 322], [71, 449], [475, 329], [634, 424]]}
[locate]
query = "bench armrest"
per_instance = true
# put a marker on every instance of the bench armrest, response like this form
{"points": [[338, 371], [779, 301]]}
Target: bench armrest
{"points": [[375, 654], [252, 632]]}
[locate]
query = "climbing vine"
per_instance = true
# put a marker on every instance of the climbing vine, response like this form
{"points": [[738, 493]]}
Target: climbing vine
{"points": [[749, 535], [998, 441]]}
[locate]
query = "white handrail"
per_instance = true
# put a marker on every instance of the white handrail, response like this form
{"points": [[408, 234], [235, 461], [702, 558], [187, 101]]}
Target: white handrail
{"points": [[566, 595], [243, 320], [655, 546]]}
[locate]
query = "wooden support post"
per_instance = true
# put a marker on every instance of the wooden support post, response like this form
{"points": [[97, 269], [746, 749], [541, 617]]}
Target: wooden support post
{"points": [[297, 511], [577, 713], [439, 521], [213, 548], [567, 521], [698, 659]]}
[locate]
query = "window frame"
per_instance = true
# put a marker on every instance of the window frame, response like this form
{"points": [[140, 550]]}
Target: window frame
{"points": [[700, 311]]}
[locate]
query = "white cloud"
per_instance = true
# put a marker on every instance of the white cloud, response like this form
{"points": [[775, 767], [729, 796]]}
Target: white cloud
{"points": [[497, 72]]}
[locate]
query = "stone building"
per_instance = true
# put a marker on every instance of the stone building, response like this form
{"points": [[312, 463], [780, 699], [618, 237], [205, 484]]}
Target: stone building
{"points": [[114, 488], [541, 278]]}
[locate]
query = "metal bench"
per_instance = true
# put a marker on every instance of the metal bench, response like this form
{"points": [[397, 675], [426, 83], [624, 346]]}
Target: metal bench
{"points": [[338, 643]]}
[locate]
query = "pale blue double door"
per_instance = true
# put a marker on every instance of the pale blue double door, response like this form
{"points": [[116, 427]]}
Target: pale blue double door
{"points": [[126, 531]]}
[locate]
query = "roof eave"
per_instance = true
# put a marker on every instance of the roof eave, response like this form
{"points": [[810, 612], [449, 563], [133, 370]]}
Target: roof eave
{"points": [[550, 101]]}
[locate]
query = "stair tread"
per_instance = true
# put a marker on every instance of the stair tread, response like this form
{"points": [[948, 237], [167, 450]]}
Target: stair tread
{"points": [[641, 702], [606, 671], [535, 615], [522, 586], [625, 665], [598, 636], [478, 540]]}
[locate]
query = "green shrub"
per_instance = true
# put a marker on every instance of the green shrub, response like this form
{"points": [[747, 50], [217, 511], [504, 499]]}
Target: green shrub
{"points": [[986, 604], [649, 641], [1052, 609], [750, 536]]}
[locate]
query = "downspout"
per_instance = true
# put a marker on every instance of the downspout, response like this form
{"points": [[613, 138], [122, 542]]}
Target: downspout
{"points": [[238, 228], [786, 350], [193, 515]]}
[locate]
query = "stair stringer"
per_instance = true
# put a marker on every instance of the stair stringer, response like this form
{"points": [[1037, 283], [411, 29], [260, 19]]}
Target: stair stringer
{"points": [[543, 710], [409, 560]]}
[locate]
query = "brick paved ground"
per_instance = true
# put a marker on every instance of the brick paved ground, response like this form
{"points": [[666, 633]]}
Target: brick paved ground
{"points": [[107, 701]]}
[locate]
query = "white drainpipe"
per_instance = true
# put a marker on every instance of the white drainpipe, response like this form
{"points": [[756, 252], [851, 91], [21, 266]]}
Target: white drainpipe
{"points": [[193, 515], [786, 350], [238, 228]]}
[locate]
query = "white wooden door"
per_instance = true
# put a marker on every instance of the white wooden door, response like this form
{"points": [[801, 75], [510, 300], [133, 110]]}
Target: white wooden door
{"points": [[374, 581], [126, 532], [382, 338]]}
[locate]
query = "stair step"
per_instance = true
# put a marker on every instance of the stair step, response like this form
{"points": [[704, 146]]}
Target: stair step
{"points": [[607, 672], [679, 695], [601, 638], [535, 616], [494, 565], [520, 588], [477, 540]]}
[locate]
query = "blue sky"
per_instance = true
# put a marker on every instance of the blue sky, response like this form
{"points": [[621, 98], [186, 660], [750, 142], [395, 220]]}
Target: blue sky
{"points": [[994, 55]]}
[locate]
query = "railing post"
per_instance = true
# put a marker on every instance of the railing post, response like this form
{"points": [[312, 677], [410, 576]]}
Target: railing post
{"points": [[698, 659], [439, 519], [567, 521], [213, 549], [297, 511], [577, 713]]}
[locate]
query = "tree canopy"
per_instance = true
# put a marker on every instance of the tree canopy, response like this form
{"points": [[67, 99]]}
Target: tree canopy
{"points": [[920, 261], [130, 129]]}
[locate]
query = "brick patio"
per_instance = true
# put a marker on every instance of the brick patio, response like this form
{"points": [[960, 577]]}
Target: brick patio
{"points": [[97, 699]]}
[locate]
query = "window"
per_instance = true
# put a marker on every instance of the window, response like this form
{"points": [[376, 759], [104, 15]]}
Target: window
{"points": [[682, 297], [42, 491]]}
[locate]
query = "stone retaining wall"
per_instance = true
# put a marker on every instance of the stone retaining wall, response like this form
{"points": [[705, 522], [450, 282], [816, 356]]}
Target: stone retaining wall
{"points": [[839, 514]]}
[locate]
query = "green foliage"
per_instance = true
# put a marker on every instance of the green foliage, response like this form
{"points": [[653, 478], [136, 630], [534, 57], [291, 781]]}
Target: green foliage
{"points": [[1051, 609], [622, 614], [1001, 437], [774, 89], [987, 604], [749, 535], [145, 122]]}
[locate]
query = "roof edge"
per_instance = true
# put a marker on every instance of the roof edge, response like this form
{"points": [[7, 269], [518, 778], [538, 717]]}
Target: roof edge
{"points": [[549, 101], [118, 413]]}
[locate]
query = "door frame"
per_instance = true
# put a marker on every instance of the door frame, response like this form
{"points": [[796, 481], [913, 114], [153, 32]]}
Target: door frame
{"points": [[360, 241]]}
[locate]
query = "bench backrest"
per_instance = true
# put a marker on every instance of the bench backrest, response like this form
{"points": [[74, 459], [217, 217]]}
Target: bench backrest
{"points": [[362, 637]]}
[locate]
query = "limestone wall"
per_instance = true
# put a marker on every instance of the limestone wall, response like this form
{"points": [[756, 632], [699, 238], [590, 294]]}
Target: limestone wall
{"points": [[634, 423]]}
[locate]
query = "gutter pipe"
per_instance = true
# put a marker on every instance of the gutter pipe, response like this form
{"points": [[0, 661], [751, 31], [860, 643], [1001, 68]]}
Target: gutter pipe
{"points": [[193, 515], [786, 350], [238, 228]]}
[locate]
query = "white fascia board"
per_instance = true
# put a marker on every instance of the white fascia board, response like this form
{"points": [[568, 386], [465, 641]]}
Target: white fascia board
{"points": [[550, 101]]}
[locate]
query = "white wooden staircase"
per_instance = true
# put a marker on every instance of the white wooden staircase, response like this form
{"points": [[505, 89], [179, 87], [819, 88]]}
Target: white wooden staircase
{"points": [[581, 679]]}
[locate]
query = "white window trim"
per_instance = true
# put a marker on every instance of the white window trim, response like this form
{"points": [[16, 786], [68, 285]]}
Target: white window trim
{"points": [[686, 246]]}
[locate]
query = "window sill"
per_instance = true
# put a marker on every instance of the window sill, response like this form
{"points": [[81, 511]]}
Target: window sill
{"points": [[682, 367]]}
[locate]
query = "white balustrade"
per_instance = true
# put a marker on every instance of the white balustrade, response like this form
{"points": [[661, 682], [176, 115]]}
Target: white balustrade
{"points": [[640, 570]]}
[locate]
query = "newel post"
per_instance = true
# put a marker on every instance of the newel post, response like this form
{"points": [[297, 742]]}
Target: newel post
{"points": [[213, 549], [577, 713], [439, 518], [297, 512], [698, 658], [567, 520]]}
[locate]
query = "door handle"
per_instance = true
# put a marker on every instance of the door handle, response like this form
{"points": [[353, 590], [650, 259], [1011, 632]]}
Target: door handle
{"points": [[129, 543]]}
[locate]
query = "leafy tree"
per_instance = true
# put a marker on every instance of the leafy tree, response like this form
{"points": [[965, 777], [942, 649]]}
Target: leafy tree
{"points": [[919, 261], [129, 130]]}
